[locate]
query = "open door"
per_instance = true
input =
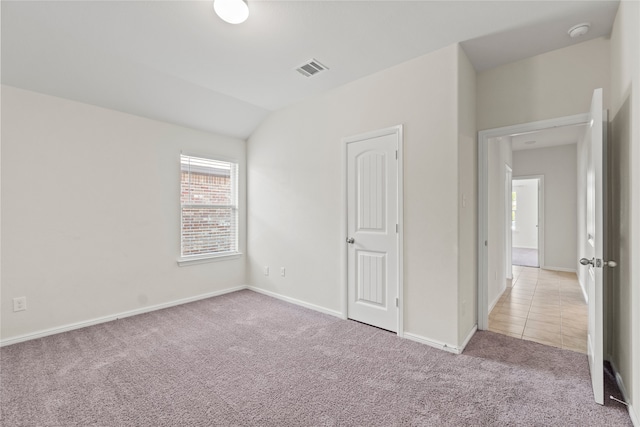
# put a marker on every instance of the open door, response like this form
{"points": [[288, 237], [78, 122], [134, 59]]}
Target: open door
{"points": [[595, 141]]}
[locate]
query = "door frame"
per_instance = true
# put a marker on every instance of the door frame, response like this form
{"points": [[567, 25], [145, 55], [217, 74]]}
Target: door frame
{"points": [[483, 194], [398, 132], [508, 231], [540, 179]]}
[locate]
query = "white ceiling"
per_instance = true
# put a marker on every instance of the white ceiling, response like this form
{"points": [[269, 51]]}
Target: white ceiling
{"points": [[177, 61]]}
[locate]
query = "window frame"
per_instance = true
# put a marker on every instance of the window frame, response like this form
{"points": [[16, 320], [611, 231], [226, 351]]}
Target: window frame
{"points": [[184, 260]]}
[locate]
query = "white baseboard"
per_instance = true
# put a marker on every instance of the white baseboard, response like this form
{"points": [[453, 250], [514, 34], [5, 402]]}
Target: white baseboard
{"points": [[567, 270], [407, 335], [468, 338], [298, 302], [635, 420], [432, 343], [497, 298], [112, 317]]}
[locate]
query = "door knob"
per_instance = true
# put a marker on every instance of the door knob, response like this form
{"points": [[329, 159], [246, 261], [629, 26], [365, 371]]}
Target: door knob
{"points": [[350, 240], [598, 262]]}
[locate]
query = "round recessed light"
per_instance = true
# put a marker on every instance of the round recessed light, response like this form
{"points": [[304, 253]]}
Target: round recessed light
{"points": [[579, 30], [232, 11]]}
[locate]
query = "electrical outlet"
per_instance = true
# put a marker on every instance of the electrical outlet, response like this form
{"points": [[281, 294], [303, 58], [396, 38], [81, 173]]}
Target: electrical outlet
{"points": [[20, 304], [282, 271], [266, 271]]}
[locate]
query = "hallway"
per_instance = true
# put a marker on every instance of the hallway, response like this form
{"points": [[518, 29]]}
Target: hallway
{"points": [[543, 306]]}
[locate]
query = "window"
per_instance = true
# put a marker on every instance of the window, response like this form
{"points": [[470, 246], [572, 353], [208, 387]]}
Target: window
{"points": [[209, 208]]}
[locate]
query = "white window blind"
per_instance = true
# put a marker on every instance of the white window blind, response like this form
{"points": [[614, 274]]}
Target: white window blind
{"points": [[209, 202]]}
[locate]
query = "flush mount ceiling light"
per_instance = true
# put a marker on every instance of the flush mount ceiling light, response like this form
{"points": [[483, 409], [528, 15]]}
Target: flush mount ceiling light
{"points": [[232, 11], [579, 30]]}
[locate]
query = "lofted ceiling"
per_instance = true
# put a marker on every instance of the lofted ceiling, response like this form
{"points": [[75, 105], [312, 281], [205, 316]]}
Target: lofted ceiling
{"points": [[176, 61]]}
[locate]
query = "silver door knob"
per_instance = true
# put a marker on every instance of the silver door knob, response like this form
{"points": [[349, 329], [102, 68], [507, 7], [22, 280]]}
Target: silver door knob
{"points": [[350, 240], [598, 263]]}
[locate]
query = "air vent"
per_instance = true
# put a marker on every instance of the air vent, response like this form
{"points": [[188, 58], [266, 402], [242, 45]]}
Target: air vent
{"points": [[312, 67]]}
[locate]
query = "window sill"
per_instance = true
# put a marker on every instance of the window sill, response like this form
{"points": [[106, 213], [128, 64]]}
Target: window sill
{"points": [[185, 261]]}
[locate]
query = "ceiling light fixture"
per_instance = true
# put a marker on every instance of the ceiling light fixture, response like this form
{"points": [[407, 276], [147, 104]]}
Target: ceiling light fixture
{"points": [[579, 30], [232, 11]]}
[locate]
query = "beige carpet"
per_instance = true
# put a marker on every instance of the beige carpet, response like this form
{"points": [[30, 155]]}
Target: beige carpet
{"points": [[245, 359]]}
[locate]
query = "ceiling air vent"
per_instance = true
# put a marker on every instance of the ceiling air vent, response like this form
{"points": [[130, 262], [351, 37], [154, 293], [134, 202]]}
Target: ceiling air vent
{"points": [[311, 68]]}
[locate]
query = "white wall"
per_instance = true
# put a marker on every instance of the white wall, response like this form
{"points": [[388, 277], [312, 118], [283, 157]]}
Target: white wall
{"points": [[558, 165], [295, 188], [625, 153], [467, 198], [90, 212], [547, 86], [525, 234], [499, 155]]}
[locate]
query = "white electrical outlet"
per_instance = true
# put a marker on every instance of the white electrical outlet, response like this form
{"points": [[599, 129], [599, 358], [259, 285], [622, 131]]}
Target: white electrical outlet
{"points": [[282, 271], [20, 304], [266, 271]]}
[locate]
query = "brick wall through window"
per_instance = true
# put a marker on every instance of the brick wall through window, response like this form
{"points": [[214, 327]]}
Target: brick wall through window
{"points": [[208, 198]]}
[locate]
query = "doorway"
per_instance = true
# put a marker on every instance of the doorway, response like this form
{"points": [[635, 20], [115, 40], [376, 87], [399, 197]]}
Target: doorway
{"points": [[526, 221], [488, 291], [589, 155], [537, 303], [373, 170]]}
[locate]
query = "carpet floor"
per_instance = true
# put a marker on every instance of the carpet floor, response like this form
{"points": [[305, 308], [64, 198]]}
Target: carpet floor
{"points": [[245, 359], [524, 257]]}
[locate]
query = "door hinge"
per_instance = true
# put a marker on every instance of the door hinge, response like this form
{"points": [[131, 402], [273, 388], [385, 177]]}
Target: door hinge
{"points": [[396, 154], [397, 302], [396, 228]]}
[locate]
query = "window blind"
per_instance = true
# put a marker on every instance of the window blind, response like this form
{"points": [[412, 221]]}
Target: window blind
{"points": [[209, 206]]}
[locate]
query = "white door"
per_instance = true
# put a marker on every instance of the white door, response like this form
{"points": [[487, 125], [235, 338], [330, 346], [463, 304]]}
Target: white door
{"points": [[372, 238], [596, 237]]}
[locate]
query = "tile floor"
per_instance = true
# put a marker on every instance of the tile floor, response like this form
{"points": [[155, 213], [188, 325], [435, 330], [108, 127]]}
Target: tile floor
{"points": [[543, 306]]}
